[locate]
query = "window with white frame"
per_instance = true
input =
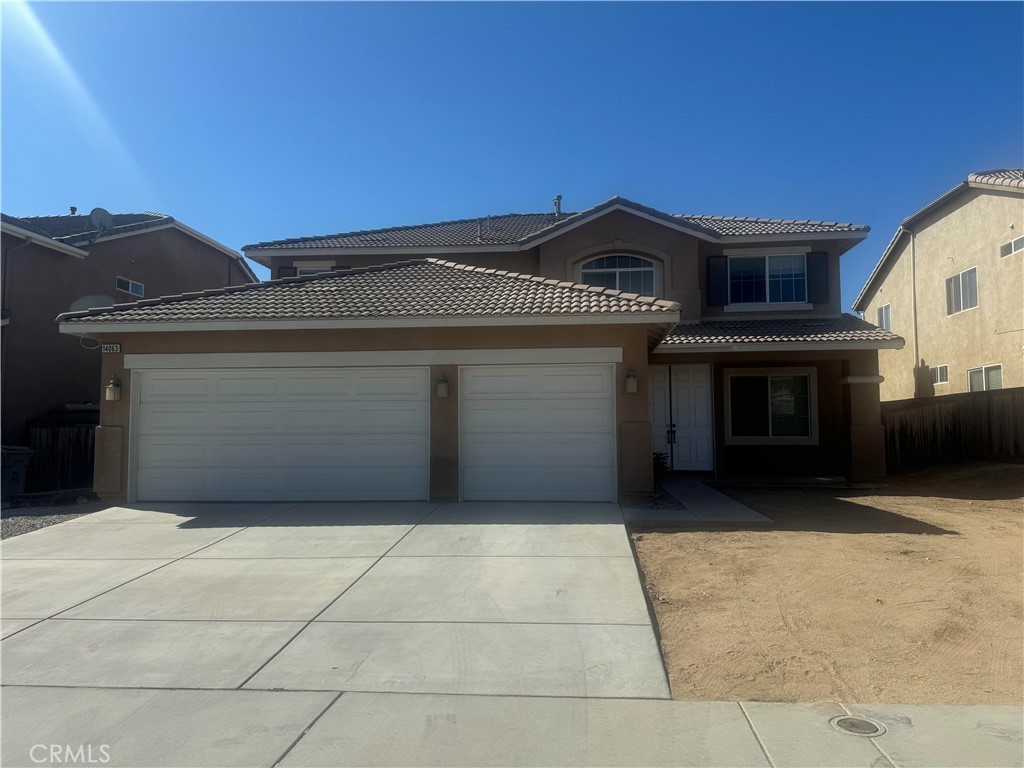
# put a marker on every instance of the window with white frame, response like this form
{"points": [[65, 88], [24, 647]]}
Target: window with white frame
{"points": [[773, 278], [1007, 249], [962, 291], [985, 378], [632, 274], [885, 317], [129, 286], [940, 374], [303, 268], [777, 405], [302, 271]]}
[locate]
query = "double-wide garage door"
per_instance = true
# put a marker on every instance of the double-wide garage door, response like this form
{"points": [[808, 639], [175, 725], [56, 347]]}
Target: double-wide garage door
{"points": [[283, 434], [525, 433]]}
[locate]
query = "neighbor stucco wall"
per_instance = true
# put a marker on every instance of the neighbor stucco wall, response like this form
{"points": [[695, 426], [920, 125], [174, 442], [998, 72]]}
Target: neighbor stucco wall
{"points": [[43, 369], [963, 233], [633, 428]]}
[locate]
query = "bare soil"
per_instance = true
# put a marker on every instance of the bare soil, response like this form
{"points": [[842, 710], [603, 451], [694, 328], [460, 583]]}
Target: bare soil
{"points": [[909, 593]]}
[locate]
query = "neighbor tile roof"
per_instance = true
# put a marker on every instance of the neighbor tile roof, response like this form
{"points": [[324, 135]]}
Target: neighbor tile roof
{"points": [[79, 229], [421, 288], [519, 228], [1004, 177], [824, 330]]}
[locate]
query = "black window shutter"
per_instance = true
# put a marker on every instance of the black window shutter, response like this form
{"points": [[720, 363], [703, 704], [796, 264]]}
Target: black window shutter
{"points": [[817, 277], [718, 281], [286, 272]]}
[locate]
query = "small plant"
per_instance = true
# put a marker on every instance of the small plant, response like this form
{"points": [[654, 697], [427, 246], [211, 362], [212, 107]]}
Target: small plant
{"points": [[660, 463]]}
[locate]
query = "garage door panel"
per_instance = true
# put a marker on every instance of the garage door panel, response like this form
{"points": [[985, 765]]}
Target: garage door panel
{"points": [[538, 433], [528, 450], [283, 435], [539, 416], [538, 483]]}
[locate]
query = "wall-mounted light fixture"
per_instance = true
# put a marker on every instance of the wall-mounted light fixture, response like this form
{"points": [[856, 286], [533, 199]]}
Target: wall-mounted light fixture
{"points": [[113, 390], [442, 385], [631, 383]]}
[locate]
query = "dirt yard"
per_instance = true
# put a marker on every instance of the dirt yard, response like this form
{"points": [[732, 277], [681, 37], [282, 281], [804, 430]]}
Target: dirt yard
{"points": [[910, 593]]}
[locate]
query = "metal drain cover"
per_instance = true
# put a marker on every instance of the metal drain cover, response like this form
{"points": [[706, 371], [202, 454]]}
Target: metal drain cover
{"points": [[858, 726]]}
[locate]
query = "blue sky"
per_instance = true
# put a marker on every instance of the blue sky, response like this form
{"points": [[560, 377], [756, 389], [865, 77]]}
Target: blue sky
{"points": [[253, 121]]}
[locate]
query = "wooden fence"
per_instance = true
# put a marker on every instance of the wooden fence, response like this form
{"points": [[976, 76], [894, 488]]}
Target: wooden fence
{"points": [[937, 430]]}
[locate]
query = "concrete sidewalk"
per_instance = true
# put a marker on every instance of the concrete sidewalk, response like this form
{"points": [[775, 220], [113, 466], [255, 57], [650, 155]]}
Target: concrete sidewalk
{"points": [[139, 727], [702, 504]]}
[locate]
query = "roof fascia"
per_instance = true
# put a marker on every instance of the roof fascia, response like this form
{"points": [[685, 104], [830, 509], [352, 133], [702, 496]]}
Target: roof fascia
{"points": [[995, 187], [778, 346], [802, 237], [43, 240], [606, 318]]}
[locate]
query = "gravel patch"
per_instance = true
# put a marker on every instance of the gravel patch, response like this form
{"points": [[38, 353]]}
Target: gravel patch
{"points": [[660, 499], [19, 520]]}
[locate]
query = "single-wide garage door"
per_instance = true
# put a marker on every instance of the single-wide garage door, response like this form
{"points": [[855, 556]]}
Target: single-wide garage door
{"points": [[282, 434], [538, 433]]}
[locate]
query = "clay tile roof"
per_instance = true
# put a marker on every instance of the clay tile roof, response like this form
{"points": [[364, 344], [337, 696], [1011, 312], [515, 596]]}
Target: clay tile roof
{"points": [[1004, 177], [78, 228], [817, 330], [420, 288], [518, 228]]}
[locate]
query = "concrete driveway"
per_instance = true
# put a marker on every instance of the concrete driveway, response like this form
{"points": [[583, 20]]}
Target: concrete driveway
{"points": [[309, 600]]}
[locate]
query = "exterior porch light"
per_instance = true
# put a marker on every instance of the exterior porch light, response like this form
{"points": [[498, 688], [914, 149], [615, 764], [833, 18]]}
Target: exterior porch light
{"points": [[113, 390], [442, 385], [631, 383]]}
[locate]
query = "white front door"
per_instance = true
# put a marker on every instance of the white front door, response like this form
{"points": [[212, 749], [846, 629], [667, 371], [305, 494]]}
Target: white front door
{"points": [[537, 433], [682, 416], [318, 434]]}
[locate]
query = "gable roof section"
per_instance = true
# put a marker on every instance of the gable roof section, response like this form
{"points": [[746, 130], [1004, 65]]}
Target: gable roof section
{"points": [[842, 332], [1010, 178], [404, 294], [515, 231], [78, 231]]}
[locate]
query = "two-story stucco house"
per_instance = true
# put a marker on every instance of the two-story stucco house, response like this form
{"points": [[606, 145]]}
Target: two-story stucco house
{"points": [[53, 264], [524, 356], [951, 282]]}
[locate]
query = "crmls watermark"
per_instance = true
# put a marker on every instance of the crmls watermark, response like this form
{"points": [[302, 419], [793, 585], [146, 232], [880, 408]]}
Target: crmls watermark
{"points": [[66, 754]]}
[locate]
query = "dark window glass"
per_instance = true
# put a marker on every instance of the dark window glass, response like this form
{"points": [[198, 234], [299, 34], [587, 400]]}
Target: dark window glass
{"points": [[748, 401], [746, 280]]}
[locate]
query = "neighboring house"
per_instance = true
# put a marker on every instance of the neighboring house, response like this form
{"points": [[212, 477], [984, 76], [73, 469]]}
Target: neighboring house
{"points": [[55, 264], [951, 282], [534, 356]]}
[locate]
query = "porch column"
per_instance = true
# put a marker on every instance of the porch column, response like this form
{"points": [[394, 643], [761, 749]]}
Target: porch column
{"points": [[867, 435]]}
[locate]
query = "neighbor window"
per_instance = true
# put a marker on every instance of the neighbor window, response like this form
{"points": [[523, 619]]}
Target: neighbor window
{"points": [[631, 274], [768, 406], [301, 271], [962, 291], [1011, 247], [129, 286], [988, 377], [885, 317], [775, 278], [940, 374]]}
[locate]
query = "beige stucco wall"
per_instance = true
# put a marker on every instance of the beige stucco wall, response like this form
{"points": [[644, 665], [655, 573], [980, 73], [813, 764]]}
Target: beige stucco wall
{"points": [[965, 232], [633, 427]]}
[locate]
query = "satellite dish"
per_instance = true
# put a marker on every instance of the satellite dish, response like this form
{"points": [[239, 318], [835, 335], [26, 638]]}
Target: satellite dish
{"points": [[101, 219]]}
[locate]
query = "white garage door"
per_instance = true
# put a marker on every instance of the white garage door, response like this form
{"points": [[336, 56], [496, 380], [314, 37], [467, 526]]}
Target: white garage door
{"points": [[282, 434], [540, 433]]}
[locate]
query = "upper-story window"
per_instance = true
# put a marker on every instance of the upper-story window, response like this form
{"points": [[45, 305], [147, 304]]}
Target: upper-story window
{"points": [[885, 317], [129, 286], [1011, 247], [962, 291], [772, 278], [632, 274]]}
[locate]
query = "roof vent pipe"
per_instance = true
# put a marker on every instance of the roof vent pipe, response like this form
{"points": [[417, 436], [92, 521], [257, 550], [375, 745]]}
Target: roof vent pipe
{"points": [[558, 205], [74, 210]]}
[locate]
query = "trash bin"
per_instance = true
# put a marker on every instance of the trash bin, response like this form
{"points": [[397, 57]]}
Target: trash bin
{"points": [[14, 463]]}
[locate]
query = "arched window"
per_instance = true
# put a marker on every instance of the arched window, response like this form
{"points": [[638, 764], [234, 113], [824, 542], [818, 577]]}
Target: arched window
{"points": [[632, 274]]}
